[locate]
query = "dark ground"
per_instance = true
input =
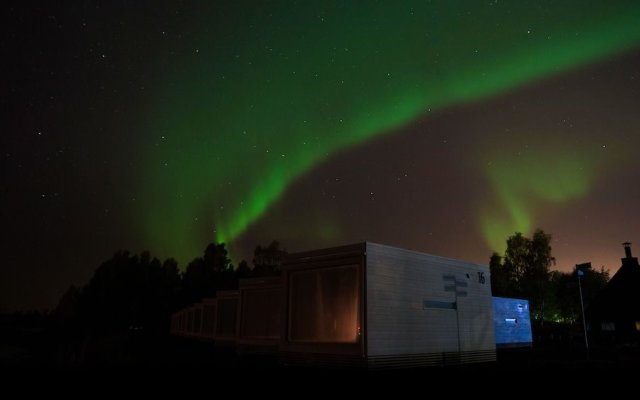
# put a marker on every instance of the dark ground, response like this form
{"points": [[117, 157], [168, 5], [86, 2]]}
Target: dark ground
{"points": [[36, 347]]}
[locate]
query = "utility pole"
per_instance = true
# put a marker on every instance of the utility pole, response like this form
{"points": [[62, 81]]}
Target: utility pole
{"points": [[580, 268]]}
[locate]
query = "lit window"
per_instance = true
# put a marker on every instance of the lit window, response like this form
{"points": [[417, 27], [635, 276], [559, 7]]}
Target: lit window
{"points": [[511, 321]]}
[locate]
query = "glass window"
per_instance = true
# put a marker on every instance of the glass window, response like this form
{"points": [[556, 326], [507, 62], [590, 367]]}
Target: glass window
{"points": [[208, 319], [226, 317], [197, 320], [261, 313], [323, 305]]}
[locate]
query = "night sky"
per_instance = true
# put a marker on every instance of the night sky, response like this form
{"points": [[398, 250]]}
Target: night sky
{"points": [[436, 126]]}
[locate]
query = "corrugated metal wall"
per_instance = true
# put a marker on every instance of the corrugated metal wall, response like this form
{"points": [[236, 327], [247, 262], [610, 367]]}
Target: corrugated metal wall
{"points": [[422, 304]]}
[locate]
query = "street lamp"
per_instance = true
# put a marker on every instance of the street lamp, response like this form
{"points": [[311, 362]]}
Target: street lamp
{"points": [[580, 268]]}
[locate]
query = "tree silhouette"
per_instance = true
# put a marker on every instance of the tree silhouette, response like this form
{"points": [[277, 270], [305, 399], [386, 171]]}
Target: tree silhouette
{"points": [[128, 302], [172, 280], [524, 271], [129, 292], [567, 298], [216, 257], [243, 271], [205, 275], [68, 328], [501, 282], [267, 260]]}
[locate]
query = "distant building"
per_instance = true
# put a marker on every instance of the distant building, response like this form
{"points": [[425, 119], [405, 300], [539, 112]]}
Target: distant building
{"points": [[512, 322], [614, 315]]}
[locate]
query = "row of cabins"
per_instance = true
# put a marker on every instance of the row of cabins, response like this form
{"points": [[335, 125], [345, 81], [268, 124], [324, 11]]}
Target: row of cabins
{"points": [[363, 305], [249, 317], [211, 319]]}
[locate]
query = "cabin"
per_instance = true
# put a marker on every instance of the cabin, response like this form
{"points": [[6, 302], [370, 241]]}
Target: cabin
{"points": [[260, 315], [379, 306], [208, 308], [227, 317]]}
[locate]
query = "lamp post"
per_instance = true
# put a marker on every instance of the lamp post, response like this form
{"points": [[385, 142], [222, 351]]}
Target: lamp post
{"points": [[580, 268]]}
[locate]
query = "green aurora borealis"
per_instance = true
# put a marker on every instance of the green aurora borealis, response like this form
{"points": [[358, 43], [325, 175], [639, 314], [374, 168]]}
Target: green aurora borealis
{"points": [[522, 182], [265, 93], [436, 126]]}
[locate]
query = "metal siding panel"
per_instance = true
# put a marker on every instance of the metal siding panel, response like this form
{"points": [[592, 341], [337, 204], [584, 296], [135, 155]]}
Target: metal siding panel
{"points": [[398, 283]]}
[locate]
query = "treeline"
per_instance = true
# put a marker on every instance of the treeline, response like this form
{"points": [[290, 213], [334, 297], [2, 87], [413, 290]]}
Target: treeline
{"points": [[133, 294], [524, 271]]}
